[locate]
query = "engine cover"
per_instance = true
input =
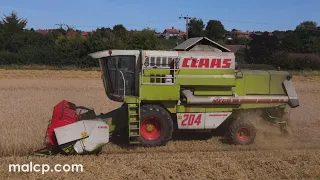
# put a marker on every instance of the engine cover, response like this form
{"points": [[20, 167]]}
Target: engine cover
{"points": [[64, 113]]}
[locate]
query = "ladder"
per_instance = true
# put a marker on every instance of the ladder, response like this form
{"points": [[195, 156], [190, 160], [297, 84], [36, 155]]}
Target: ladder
{"points": [[134, 123]]}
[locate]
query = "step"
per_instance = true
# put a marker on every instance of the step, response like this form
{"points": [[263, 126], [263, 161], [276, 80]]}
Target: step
{"points": [[134, 125], [134, 134], [134, 122], [131, 106], [134, 142]]}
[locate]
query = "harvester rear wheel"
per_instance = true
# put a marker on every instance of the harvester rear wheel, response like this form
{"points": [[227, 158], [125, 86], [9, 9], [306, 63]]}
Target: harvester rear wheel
{"points": [[156, 126], [242, 132]]}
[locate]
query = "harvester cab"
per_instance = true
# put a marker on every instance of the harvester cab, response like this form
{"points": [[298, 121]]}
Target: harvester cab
{"points": [[167, 91]]}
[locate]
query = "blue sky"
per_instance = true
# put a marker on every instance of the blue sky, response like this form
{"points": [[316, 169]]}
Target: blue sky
{"points": [[87, 15]]}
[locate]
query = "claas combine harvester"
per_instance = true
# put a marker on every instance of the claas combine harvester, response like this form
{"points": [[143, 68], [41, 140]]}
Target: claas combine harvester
{"points": [[167, 91]]}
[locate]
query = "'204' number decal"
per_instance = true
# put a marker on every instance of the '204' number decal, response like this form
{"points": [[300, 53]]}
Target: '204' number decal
{"points": [[191, 119]]}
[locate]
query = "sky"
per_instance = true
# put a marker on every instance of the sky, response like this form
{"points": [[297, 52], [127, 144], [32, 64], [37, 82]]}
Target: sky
{"points": [[251, 15]]}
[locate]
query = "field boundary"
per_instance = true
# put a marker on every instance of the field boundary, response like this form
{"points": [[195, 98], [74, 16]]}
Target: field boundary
{"points": [[95, 69]]}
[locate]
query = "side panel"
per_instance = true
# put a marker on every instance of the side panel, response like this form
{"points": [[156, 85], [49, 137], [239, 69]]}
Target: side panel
{"points": [[256, 82], [71, 132], [208, 80], [191, 120], [213, 120], [201, 120], [164, 92], [98, 137], [276, 81]]}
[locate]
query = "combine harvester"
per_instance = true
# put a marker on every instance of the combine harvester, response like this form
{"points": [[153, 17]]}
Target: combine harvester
{"points": [[167, 91]]}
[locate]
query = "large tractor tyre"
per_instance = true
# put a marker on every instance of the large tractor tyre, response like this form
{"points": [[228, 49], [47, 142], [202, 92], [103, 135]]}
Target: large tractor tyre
{"points": [[242, 132], [156, 126]]}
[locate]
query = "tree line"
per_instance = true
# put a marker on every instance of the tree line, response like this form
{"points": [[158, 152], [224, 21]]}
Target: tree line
{"points": [[296, 49], [21, 46]]}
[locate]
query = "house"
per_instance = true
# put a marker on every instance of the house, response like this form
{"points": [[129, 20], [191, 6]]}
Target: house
{"points": [[72, 33], [45, 31], [201, 44], [69, 33], [167, 33], [86, 34], [237, 34]]}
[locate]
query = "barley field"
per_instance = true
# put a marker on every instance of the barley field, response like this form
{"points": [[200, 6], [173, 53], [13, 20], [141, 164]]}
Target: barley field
{"points": [[28, 96]]}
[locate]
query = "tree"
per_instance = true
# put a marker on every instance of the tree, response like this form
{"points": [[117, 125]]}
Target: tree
{"points": [[291, 42], [13, 24], [280, 34], [215, 30], [307, 25], [2, 39], [144, 39], [308, 34], [122, 37], [262, 47], [241, 41], [119, 30], [1, 26], [241, 56], [195, 28]]}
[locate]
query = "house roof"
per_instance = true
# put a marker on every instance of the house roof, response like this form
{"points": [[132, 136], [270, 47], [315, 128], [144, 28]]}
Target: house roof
{"points": [[189, 43], [172, 31], [72, 33], [87, 33], [44, 31]]}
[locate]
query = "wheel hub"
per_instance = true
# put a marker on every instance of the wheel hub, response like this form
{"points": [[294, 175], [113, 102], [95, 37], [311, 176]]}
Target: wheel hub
{"points": [[243, 134], [150, 128]]}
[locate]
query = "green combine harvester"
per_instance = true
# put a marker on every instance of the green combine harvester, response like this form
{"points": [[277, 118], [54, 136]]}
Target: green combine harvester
{"points": [[167, 91]]}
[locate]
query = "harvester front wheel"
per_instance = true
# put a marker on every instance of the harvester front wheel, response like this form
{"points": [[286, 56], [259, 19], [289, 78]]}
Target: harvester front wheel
{"points": [[156, 126], [242, 132]]}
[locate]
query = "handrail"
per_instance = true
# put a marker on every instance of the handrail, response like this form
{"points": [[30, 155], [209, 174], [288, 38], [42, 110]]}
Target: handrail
{"points": [[124, 84]]}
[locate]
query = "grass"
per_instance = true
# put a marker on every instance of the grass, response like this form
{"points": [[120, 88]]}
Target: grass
{"points": [[28, 96]]}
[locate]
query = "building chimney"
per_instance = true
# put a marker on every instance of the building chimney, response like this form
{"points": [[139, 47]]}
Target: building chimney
{"points": [[172, 27]]}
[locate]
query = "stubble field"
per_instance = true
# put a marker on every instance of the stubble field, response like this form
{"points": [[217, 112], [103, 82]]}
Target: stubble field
{"points": [[27, 98]]}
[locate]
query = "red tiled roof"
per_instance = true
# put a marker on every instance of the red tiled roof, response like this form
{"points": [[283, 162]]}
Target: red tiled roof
{"points": [[72, 33], [44, 31], [87, 33], [172, 31], [183, 34]]}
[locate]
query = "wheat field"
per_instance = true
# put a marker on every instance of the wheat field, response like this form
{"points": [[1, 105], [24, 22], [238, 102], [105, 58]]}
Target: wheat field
{"points": [[28, 96]]}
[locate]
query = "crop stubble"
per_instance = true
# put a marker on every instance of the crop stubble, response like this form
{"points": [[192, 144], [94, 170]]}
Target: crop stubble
{"points": [[27, 99]]}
